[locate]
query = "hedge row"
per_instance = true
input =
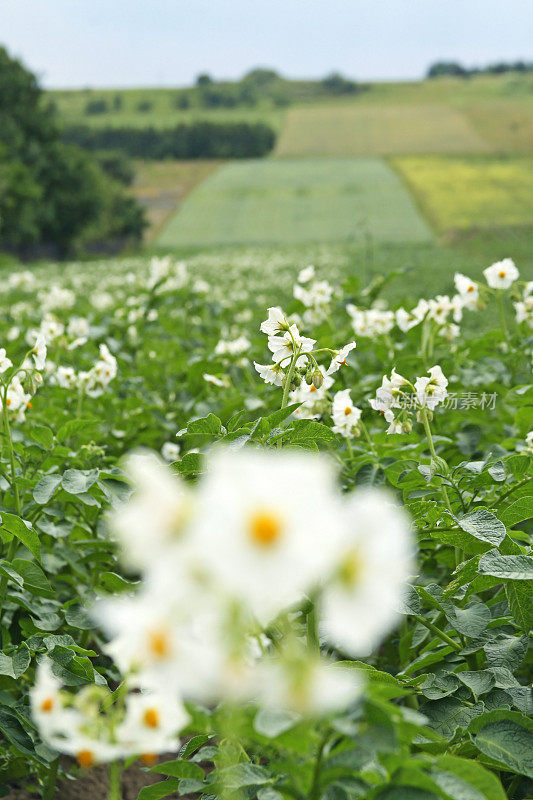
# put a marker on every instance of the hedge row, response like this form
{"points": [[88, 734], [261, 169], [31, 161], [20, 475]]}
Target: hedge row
{"points": [[197, 140]]}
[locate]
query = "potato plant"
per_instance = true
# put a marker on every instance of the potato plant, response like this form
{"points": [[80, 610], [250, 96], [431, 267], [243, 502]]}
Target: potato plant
{"points": [[430, 406]]}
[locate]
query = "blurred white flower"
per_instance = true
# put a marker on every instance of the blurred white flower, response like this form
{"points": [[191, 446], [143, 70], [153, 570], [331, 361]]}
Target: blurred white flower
{"points": [[502, 274], [5, 362], [170, 451], [261, 522], [375, 558]]}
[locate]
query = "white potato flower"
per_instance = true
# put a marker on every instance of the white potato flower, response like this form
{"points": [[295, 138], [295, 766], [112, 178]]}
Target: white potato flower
{"points": [[306, 274], [502, 274], [375, 558], [265, 520], [312, 398], [468, 289], [5, 362], [270, 373], [155, 516], [170, 451], [308, 686], [339, 359], [152, 722], [284, 347], [345, 415], [275, 323], [39, 352], [431, 391]]}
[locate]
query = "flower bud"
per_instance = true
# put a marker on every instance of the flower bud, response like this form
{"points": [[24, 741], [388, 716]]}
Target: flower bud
{"points": [[438, 466], [318, 379]]}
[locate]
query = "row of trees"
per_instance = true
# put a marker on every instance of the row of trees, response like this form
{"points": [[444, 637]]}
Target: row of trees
{"points": [[196, 140], [52, 194], [256, 86], [455, 69]]}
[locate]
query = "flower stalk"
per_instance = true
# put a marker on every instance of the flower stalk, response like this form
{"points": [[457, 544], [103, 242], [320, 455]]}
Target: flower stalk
{"points": [[115, 774]]}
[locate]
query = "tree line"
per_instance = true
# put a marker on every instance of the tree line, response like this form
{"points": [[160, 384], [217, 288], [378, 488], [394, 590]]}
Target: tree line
{"points": [[55, 198], [200, 139], [455, 69]]}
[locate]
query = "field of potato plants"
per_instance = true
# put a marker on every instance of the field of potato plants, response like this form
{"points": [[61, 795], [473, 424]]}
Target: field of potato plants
{"points": [[265, 540]]}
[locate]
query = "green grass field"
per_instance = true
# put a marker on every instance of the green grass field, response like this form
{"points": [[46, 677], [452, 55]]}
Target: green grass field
{"points": [[467, 193], [380, 129], [291, 201], [163, 113]]}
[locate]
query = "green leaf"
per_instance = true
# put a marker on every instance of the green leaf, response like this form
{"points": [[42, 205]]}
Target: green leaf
{"points": [[23, 532], [191, 464], [271, 722], [518, 568], [35, 581], [518, 511], [506, 651], [77, 617], [21, 660], [269, 794], [159, 790], [497, 471], [393, 792], [520, 598], [6, 665], [179, 769], [240, 775], [73, 426], [470, 621], [77, 481], [114, 583], [478, 681], [484, 525], [42, 435], [45, 488], [206, 426], [465, 779], [508, 743]]}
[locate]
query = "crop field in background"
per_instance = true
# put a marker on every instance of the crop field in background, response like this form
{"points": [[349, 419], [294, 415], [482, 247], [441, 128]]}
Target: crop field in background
{"points": [[382, 129], [162, 185], [471, 192], [162, 112], [303, 200]]}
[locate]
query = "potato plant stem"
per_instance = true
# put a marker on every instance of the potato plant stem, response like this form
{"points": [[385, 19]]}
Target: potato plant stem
{"points": [[433, 452], [313, 640], [49, 788], [115, 790], [502, 316], [437, 632], [314, 792], [288, 380]]}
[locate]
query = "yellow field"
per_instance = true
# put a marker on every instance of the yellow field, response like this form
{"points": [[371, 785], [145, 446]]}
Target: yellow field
{"points": [[459, 193], [379, 129]]}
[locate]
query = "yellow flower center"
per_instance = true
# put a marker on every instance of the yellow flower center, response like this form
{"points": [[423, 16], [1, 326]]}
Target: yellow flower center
{"points": [[148, 759], [151, 718], [501, 274], [85, 759], [351, 568], [264, 528], [47, 705], [159, 643], [347, 410], [470, 289]]}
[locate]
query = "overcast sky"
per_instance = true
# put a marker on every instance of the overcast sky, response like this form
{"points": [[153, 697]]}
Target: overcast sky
{"points": [[77, 43]]}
